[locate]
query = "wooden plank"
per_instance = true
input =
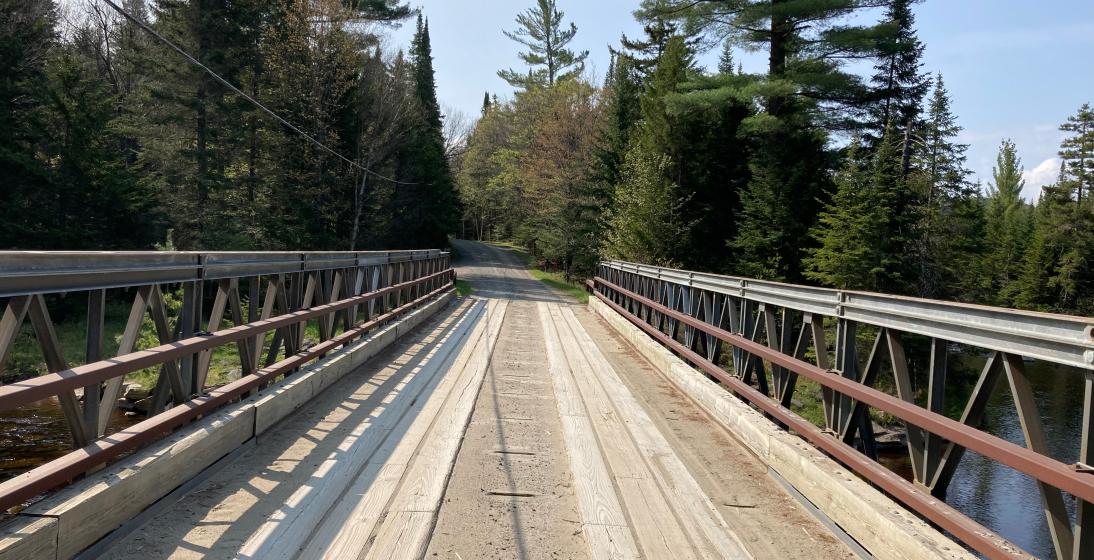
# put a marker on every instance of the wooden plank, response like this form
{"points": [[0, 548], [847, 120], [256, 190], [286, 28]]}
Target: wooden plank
{"points": [[702, 521], [596, 496], [29, 538], [291, 525], [105, 500], [371, 493], [405, 533], [655, 526], [871, 517]]}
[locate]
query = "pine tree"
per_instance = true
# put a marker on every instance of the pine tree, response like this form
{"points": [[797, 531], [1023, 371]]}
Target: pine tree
{"points": [[1077, 151], [486, 103], [546, 36], [671, 71], [899, 83], [1007, 226], [659, 29]]}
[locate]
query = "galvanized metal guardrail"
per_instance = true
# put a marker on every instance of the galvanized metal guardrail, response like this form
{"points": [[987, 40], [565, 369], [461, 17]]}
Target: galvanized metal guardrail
{"points": [[770, 327], [346, 295]]}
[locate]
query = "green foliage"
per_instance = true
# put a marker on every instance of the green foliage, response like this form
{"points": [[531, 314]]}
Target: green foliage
{"points": [[854, 232], [725, 59], [648, 53], [781, 202], [1077, 151], [1008, 227], [899, 84], [428, 210], [542, 31], [390, 11], [644, 222], [68, 181]]}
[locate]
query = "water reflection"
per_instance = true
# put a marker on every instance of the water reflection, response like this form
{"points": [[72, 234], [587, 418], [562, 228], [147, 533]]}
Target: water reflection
{"points": [[996, 496], [1000, 497]]}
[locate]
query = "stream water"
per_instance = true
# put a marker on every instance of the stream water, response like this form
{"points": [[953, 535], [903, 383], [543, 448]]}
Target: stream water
{"points": [[36, 434], [998, 497]]}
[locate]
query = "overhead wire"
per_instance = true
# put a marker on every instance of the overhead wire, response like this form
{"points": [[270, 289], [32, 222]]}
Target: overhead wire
{"points": [[240, 92]]}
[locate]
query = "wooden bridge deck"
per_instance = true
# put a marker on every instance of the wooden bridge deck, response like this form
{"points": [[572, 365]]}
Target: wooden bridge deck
{"points": [[511, 425]]}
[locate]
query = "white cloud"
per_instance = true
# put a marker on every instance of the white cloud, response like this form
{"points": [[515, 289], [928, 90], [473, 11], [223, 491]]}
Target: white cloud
{"points": [[1045, 173]]}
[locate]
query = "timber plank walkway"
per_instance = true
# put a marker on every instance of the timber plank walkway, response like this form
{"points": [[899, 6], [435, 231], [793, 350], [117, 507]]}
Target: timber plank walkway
{"points": [[511, 425]]}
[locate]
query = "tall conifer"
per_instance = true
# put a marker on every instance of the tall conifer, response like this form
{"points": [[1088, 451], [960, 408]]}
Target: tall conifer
{"points": [[542, 31]]}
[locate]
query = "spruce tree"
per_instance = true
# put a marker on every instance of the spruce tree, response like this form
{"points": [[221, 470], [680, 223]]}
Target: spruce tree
{"points": [[546, 37], [725, 59], [622, 93], [942, 213], [387, 11], [1058, 274], [670, 73], [27, 35], [428, 210], [898, 81], [853, 230], [1007, 227], [659, 29], [1077, 152], [942, 160]]}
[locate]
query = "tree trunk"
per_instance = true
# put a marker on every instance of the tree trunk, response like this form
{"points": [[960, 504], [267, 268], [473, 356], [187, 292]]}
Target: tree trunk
{"points": [[776, 65]]}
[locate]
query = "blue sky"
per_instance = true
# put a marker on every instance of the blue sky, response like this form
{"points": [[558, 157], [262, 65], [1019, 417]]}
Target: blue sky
{"points": [[1014, 68]]}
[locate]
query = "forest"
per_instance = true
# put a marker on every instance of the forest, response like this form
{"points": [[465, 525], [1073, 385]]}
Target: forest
{"points": [[806, 173], [110, 139], [811, 171]]}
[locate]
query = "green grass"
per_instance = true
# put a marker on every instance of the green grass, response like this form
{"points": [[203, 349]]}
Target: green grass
{"points": [[26, 360], [464, 288], [553, 279]]}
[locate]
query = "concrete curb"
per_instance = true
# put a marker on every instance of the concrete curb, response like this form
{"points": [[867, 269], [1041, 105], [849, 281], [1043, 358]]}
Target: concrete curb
{"points": [[75, 517], [879, 524]]}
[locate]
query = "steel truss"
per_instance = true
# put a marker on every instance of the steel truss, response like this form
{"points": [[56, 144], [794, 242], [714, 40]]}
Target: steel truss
{"points": [[770, 328], [346, 294]]}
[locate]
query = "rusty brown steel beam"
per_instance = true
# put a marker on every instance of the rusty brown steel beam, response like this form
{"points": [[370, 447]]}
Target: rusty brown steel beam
{"points": [[51, 384], [1040, 467], [968, 531], [56, 473]]}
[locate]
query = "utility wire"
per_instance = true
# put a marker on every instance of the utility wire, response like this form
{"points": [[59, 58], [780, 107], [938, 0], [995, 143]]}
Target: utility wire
{"points": [[230, 86]]}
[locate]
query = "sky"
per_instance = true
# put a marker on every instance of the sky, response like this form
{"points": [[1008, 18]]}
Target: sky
{"points": [[1014, 68]]}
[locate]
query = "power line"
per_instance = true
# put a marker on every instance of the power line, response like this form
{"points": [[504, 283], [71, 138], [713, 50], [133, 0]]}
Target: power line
{"points": [[239, 92]]}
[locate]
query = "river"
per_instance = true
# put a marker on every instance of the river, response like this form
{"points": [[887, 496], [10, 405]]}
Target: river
{"points": [[996, 496]]}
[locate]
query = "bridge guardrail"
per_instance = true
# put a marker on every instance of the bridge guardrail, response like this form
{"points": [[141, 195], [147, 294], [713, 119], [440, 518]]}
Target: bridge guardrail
{"points": [[697, 314], [346, 294]]}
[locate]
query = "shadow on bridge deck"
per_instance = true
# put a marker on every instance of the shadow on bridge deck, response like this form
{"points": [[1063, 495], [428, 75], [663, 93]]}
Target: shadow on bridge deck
{"points": [[279, 494]]}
